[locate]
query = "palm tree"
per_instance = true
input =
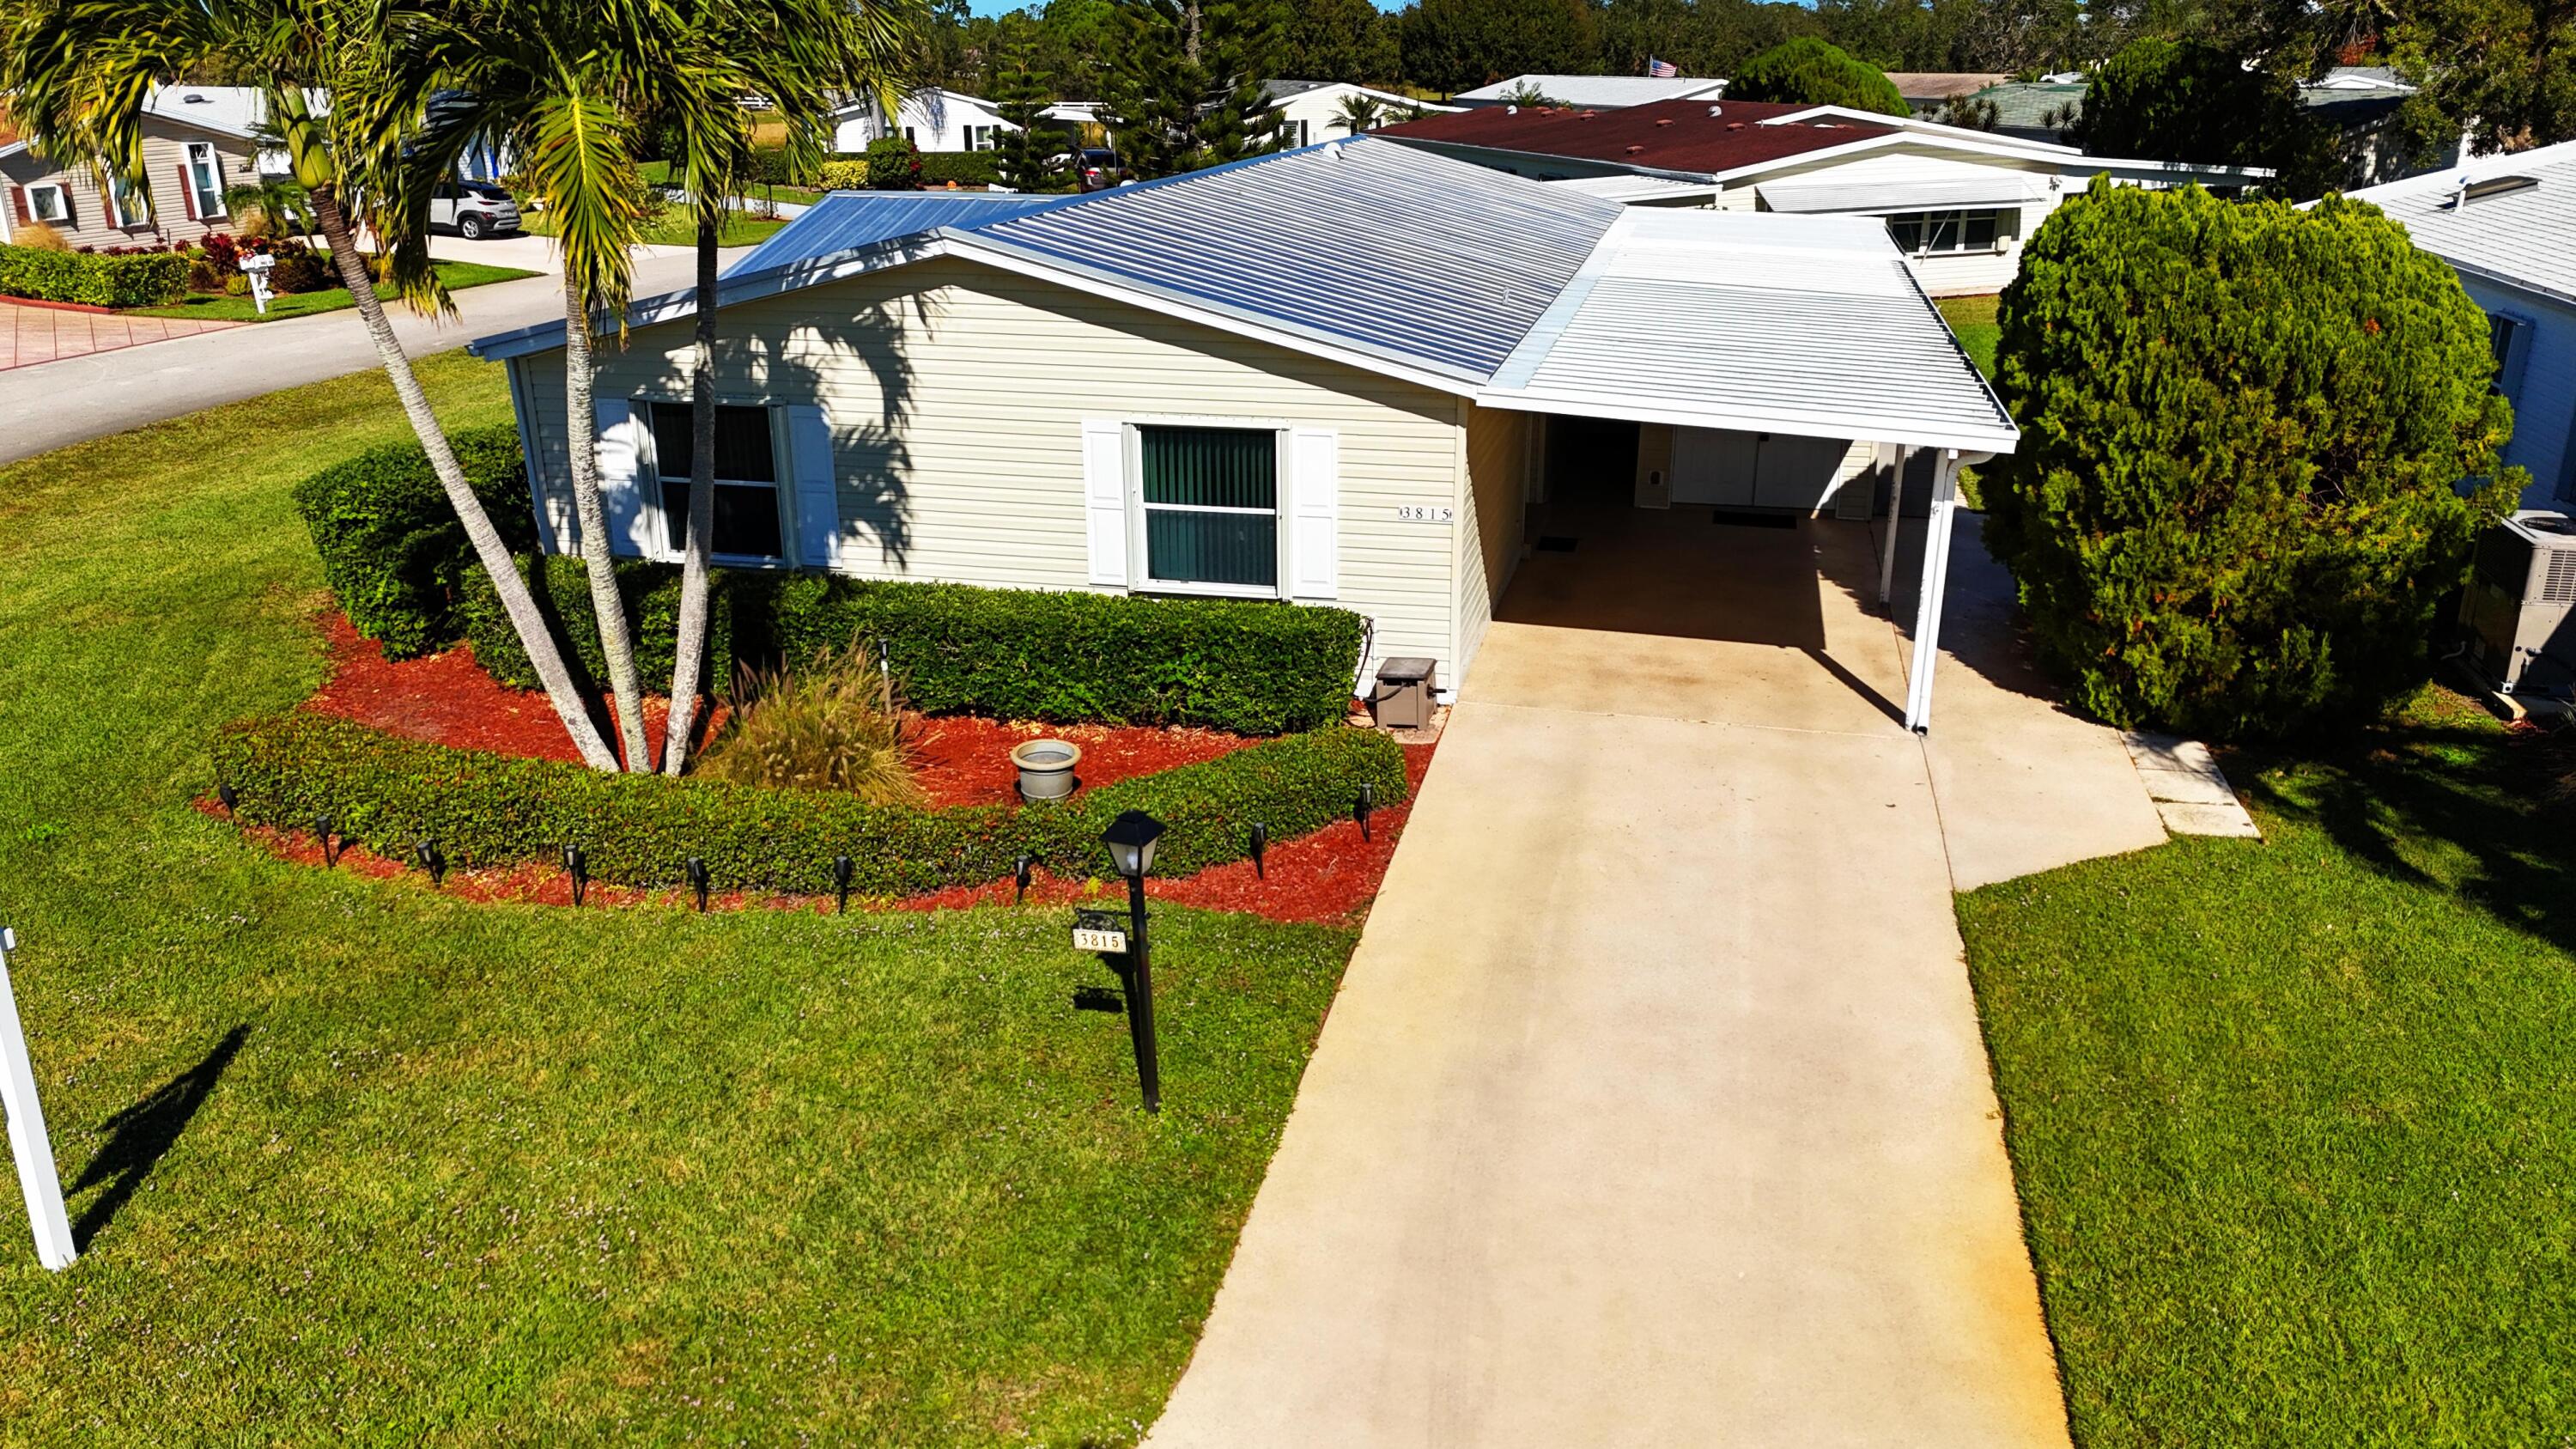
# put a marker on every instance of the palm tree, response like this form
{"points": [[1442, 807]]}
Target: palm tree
{"points": [[803, 55], [77, 73], [1359, 113], [560, 81]]}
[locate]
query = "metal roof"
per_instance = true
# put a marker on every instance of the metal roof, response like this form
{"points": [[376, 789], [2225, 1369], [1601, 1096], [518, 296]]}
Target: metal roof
{"points": [[1701, 138], [1383, 248], [1790, 324], [1596, 90], [1904, 183], [2524, 237], [845, 221]]}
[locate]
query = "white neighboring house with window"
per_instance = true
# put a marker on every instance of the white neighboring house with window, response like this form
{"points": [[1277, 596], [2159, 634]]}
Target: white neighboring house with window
{"points": [[1959, 202], [198, 143], [932, 119], [2507, 225], [1217, 385], [1312, 111]]}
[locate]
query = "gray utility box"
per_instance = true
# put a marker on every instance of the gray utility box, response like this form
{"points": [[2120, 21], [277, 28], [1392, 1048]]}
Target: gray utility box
{"points": [[2520, 607], [1405, 693]]}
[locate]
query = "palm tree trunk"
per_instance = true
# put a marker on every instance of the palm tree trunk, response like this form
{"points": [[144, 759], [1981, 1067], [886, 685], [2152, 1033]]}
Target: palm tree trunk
{"points": [[702, 499], [488, 548], [616, 641]]}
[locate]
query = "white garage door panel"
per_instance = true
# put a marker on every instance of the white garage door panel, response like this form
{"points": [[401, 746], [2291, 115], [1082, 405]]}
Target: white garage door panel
{"points": [[1725, 469]]}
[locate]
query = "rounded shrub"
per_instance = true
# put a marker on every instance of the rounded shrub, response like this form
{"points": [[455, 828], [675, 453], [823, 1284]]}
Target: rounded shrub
{"points": [[1809, 71], [2239, 497]]}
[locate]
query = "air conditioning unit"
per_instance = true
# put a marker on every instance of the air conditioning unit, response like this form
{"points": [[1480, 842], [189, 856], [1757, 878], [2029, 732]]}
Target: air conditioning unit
{"points": [[2520, 608]]}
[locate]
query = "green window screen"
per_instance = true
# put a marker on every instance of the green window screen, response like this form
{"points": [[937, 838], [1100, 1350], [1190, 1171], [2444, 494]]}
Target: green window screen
{"points": [[1211, 506]]}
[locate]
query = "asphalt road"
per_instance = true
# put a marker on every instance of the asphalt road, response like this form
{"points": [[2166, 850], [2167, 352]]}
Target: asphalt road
{"points": [[56, 403]]}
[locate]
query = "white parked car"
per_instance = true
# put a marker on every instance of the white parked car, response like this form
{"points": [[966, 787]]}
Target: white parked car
{"points": [[472, 209]]}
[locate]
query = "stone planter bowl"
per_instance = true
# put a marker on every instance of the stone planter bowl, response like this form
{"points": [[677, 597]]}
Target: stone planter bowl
{"points": [[1046, 768]]}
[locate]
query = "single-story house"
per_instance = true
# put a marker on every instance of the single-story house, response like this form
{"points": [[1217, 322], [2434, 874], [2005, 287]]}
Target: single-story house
{"points": [[1959, 202], [2507, 225], [1345, 374], [198, 142], [2359, 102], [1598, 92], [932, 119], [1930, 91], [1311, 111]]}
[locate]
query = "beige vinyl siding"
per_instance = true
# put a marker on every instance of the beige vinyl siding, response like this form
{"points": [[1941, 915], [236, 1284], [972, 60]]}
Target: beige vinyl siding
{"points": [[165, 153], [1491, 511], [957, 393]]}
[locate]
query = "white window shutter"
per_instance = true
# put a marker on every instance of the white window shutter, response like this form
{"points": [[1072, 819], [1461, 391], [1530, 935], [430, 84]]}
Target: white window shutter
{"points": [[1104, 498], [621, 492], [818, 491], [1315, 494]]}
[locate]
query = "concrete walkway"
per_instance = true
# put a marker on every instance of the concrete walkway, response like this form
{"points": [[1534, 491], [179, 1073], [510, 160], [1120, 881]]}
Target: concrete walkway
{"points": [[30, 335], [1653, 1109]]}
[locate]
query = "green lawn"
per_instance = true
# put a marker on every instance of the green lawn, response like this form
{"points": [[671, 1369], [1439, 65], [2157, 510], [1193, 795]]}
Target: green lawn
{"points": [[2295, 1122], [368, 1164], [658, 173], [1972, 321], [211, 308], [679, 228]]}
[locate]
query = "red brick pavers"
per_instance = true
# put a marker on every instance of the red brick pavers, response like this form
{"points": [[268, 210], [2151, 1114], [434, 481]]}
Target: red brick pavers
{"points": [[30, 335]]}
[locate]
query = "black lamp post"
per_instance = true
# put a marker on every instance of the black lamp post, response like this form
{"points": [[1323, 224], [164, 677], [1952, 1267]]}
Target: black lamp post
{"points": [[1260, 849], [322, 827], [1020, 869], [1130, 839]]}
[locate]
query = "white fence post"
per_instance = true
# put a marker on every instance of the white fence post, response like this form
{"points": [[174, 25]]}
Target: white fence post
{"points": [[27, 1141]]}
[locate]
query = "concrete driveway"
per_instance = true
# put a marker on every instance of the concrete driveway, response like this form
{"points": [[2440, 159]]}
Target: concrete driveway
{"points": [[1653, 1109]]}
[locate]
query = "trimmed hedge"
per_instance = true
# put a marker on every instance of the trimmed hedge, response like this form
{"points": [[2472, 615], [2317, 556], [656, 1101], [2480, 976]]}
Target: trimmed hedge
{"points": [[1248, 667], [638, 830], [92, 279], [393, 550], [562, 591], [966, 168]]}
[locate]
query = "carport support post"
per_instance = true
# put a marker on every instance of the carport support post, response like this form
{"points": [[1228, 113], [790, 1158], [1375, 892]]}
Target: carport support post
{"points": [[1892, 456], [1936, 582]]}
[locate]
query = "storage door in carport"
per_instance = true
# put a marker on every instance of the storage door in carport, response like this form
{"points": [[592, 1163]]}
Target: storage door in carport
{"points": [[1754, 470]]}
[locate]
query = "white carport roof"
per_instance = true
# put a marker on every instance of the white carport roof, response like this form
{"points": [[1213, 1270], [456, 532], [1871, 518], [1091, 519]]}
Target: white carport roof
{"points": [[1805, 325], [1905, 183]]}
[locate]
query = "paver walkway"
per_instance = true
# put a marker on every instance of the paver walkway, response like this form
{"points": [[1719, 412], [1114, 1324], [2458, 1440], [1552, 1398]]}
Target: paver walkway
{"points": [[29, 335], [1653, 1109]]}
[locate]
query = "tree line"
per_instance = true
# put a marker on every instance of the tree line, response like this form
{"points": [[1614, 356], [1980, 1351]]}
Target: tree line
{"points": [[2503, 69]]}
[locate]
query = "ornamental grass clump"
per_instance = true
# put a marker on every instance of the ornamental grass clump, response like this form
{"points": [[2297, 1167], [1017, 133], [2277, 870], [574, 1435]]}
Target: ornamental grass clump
{"points": [[2257, 444], [832, 724]]}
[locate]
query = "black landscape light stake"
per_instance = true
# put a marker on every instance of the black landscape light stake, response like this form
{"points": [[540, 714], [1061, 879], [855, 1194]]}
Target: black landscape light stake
{"points": [[432, 861], [1130, 839], [841, 868], [1260, 848], [224, 792], [1020, 877], [1367, 803], [577, 866], [697, 870], [322, 827]]}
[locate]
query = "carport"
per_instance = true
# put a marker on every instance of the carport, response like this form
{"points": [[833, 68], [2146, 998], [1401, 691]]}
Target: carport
{"points": [[1738, 368]]}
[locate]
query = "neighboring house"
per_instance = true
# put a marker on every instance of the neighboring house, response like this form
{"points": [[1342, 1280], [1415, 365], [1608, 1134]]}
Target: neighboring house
{"points": [[1599, 92], [1311, 111], [2034, 110], [1929, 91], [1959, 202], [2359, 102], [2507, 225], [932, 119], [1340, 375], [198, 142]]}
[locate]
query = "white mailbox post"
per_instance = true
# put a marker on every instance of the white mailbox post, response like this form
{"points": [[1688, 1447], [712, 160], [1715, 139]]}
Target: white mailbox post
{"points": [[256, 267], [27, 1141]]}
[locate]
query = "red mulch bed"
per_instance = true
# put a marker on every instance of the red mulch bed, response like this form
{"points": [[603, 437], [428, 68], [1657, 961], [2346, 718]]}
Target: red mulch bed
{"points": [[1328, 876]]}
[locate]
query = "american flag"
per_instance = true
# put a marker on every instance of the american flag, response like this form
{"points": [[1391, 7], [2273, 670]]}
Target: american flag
{"points": [[1662, 69]]}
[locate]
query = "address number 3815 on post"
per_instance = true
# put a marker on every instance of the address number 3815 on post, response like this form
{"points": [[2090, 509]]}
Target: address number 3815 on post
{"points": [[1100, 931]]}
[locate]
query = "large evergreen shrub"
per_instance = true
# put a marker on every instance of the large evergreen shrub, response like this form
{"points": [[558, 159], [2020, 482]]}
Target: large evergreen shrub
{"points": [[391, 547], [1809, 71], [2182, 100], [2237, 500]]}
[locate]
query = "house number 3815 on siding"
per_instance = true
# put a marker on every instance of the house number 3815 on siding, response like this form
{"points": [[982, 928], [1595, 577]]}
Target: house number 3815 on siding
{"points": [[1424, 513]]}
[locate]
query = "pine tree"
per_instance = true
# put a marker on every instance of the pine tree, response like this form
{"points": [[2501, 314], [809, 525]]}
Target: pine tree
{"points": [[1027, 148], [1185, 91]]}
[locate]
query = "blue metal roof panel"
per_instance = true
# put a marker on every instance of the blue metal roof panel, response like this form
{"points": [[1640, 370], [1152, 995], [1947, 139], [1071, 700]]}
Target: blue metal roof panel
{"points": [[844, 221], [1381, 246]]}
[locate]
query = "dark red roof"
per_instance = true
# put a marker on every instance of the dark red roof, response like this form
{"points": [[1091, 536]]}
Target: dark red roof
{"points": [[1700, 136]]}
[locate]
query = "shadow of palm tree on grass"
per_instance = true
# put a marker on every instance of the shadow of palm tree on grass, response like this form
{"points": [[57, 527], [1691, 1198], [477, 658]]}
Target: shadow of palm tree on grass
{"points": [[141, 1135]]}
